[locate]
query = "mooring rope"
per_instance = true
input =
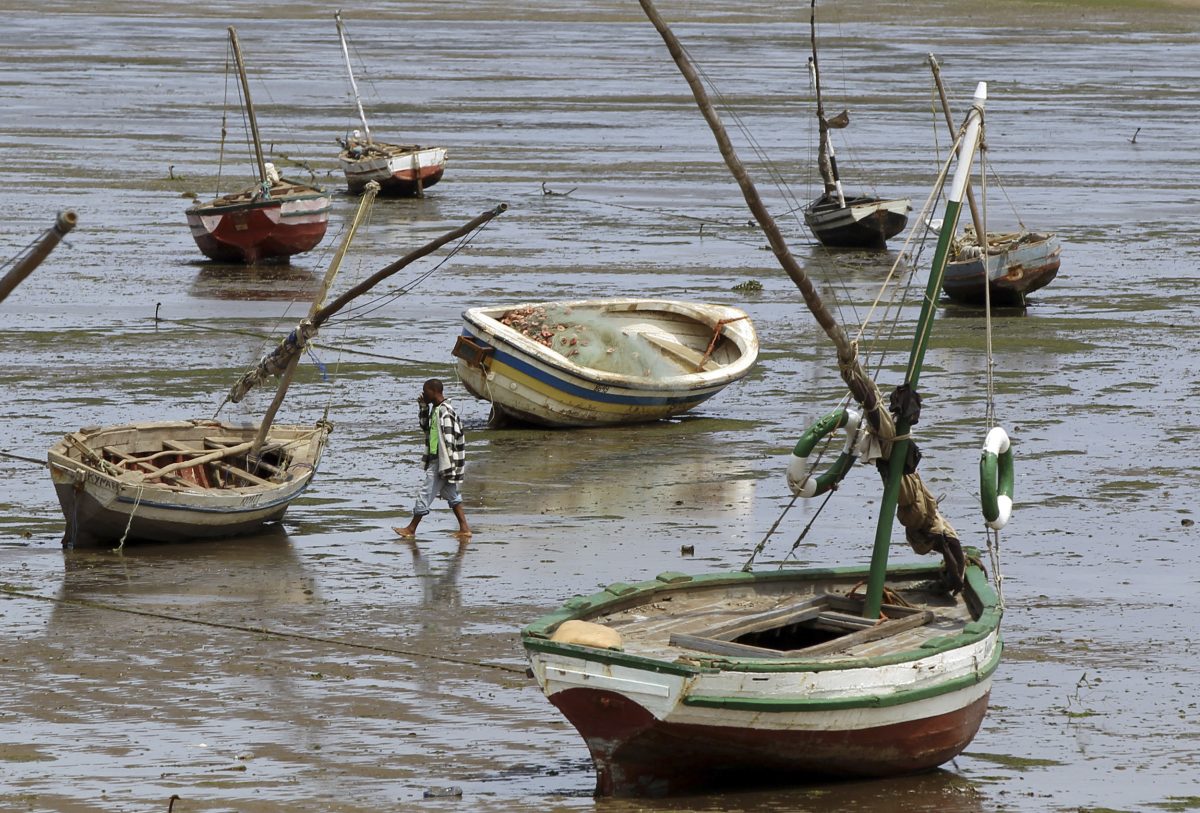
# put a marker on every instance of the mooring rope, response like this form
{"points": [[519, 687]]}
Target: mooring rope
{"points": [[296, 636], [24, 459]]}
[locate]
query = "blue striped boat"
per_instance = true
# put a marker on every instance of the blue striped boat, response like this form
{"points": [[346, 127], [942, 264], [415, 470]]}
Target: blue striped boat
{"points": [[601, 362]]}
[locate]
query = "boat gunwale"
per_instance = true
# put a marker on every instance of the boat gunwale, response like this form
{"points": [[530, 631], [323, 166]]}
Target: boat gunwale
{"points": [[536, 636], [744, 337], [214, 500], [217, 207]]}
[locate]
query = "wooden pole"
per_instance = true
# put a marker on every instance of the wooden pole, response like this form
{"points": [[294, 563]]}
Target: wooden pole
{"points": [[379, 276], [847, 357], [241, 67], [337, 16], [50, 238], [826, 161], [976, 218], [285, 380]]}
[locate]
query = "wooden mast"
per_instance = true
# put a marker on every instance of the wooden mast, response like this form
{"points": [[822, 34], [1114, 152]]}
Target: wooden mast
{"points": [[258, 153], [337, 16], [826, 160], [41, 249], [976, 217], [862, 388], [286, 378], [287, 353]]}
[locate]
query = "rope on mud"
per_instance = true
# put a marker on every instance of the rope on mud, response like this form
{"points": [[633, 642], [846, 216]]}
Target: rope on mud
{"points": [[296, 636], [24, 459], [267, 337]]}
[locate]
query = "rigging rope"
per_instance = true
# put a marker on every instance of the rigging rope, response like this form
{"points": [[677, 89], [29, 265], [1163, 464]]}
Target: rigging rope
{"points": [[295, 636]]}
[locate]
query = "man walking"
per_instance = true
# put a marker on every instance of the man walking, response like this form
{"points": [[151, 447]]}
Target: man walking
{"points": [[444, 459]]}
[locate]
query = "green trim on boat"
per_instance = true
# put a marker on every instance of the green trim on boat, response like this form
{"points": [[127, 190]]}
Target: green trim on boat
{"points": [[863, 701]]}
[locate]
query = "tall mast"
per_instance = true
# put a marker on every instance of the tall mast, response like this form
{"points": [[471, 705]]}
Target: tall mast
{"points": [[826, 160], [258, 153], [285, 379], [337, 16], [976, 218], [899, 455], [923, 523]]}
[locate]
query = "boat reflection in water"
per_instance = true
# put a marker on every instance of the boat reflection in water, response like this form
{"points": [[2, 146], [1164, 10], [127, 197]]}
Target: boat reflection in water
{"points": [[260, 571]]}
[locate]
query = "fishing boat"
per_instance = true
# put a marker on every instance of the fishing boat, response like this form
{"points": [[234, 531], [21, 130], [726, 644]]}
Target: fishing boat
{"points": [[271, 220], [173, 481], [1017, 264], [1011, 265], [601, 362], [186, 480], [835, 218], [684, 682], [21, 266], [407, 169]]}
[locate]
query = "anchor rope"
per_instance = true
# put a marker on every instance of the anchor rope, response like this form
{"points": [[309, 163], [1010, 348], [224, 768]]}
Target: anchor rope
{"points": [[263, 630]]}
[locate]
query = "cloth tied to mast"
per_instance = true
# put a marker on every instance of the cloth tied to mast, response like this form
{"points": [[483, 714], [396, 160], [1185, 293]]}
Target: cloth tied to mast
{"points": [[925, 529], [274, 363], [838, 122]]}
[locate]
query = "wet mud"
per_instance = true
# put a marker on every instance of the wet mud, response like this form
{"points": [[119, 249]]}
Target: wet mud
{"points": [[329, 665]]}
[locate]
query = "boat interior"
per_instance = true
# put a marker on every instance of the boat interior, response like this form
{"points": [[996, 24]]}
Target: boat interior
{"points": [[188, 463], [816, 622]]}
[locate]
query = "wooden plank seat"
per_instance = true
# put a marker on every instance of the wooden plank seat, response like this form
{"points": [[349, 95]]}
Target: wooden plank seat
{"points": [[818, 612], [146, 465], [221, 465], [690, 359], [212, 442]]}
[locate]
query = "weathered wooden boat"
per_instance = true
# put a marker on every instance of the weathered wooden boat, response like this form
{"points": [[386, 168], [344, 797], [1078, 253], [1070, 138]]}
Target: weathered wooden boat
{"points": [[752, 678], [174, 481], [836, 219], [684, 682], [601, 362], [273, 219], [1017, 264], [179, 481], [24, 263], [407, 169], [1013, 265]]}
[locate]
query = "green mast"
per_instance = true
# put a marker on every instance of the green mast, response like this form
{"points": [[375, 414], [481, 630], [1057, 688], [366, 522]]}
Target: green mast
{"points": [[891, 490]]}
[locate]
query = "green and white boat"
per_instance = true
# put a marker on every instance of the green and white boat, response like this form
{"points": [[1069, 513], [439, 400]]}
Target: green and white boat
{"points": [[685, 681]]}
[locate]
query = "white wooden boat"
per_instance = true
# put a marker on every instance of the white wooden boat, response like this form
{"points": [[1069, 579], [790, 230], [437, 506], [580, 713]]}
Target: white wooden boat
{"points": [[399, 169], [689, 681], [177, 481], [684, 682], [603, 361]]}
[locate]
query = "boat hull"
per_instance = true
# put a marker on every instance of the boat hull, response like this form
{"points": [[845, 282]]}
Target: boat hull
{"points": [[399, 171], [664, 717], [531, 384], [864, 222], [1012, 274], [255, 230], [636, 754], [102, 508]]}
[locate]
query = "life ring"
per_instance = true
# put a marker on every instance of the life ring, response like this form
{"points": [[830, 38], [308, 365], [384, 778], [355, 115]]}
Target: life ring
{"points": [[996, 479], [799, 471]]}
